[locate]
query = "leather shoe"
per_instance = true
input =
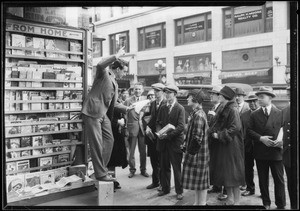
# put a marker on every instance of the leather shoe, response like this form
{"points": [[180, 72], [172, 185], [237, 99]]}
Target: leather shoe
{"points": [[117, 185], [145, 174], [222, 196], [162, 193], [179, 196], [159, 188], [247, 193], [152, 186], [131, 175], [107, 179], [267, 207], [243, 188]]}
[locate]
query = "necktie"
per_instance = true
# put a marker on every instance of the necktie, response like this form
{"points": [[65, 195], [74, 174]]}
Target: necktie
{"points": [[157, 105], [137, 99], [266, 112], [169, 108]]}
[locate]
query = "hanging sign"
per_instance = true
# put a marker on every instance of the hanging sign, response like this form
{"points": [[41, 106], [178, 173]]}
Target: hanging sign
{"points": [[247, 16], [41, 30]]}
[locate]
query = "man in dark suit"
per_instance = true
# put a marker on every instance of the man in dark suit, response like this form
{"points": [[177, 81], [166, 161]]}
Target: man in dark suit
{"points": [[248, 143], [265, 129], [287, 152], [97, 110], [169, 143], [151, 128], [136, 136]]}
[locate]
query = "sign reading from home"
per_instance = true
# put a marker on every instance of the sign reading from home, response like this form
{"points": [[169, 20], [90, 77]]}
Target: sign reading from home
{"points": [[247, 16]]}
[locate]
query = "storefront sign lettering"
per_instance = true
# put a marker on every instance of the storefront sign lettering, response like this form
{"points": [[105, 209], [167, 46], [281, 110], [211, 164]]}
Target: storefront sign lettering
{"points": [[248, 16], [18, 27], [194, 26]]}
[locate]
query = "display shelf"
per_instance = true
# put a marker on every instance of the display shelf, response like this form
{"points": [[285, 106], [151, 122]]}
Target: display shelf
{"points": [[44, 88], [39, 167], [43, 58], [43, 101], [44, 50], [37, 156], [42, 122], [44, 80], [42, 111], [41, 147], [42, 133]]}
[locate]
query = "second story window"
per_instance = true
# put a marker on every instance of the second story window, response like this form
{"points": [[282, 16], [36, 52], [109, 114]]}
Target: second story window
{"points": [[119, 40], [193, 29], [247, 20], [152, 37]]}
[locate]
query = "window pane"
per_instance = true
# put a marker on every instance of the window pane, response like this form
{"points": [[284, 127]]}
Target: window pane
{"points": [[153, 36], [227, 23], [269, 17], [112, 44], [178, 32], [121, 40], [193, 63], [164, 36], [248, 20], [194, 29], [141, 39], [208, 27]]}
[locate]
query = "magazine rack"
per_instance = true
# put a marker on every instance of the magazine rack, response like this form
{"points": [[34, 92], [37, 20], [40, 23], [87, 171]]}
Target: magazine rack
{"points": [[46, 69]]}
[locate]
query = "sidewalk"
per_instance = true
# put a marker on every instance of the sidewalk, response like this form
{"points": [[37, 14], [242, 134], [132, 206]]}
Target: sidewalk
{"points": [[134, 193]]}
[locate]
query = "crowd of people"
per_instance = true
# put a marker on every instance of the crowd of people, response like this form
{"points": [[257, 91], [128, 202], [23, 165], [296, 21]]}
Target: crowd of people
{"points": [[209, 152]]}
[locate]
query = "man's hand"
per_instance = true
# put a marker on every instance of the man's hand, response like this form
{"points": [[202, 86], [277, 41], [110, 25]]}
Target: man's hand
{"points": [[278, 143], [130, 107], [148, 129], [215, 135], [121, 122], [121, 52], [267, 140], [211, 113]]}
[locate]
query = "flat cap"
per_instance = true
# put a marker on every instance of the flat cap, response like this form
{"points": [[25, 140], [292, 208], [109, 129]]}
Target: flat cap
{"points": [[171, 88], [216, 89], [158, 86], [266, 90]]}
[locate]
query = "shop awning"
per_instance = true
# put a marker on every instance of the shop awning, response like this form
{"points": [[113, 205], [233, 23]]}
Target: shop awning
{"points": [[243, 73], [205, 74]]}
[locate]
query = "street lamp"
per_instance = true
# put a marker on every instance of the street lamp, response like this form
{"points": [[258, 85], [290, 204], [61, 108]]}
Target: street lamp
{"points": [[160, 66]]}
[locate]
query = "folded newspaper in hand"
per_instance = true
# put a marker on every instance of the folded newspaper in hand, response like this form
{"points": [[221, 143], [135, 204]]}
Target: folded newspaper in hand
{"points": [[139, 105], [169, 127]]}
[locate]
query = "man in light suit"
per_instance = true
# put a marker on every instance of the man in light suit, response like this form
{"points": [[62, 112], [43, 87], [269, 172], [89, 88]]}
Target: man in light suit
{"points": [[136, 135], [265, 129], [169, 145], [97, 110], [151, 142]]}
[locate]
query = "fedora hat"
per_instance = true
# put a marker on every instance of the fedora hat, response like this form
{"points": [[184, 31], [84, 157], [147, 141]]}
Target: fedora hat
{"points": [[216, 89], [227, 92], [251, 98], [151, 92], [171, 88], [265, 90], [158, 86], [197, 94], [240, 91]]}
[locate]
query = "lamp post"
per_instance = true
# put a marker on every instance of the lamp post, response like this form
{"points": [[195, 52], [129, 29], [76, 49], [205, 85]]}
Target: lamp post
{"points": [[160, 66]]}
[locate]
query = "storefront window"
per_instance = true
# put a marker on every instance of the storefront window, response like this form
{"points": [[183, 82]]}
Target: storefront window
{"points": [[97, 49], [248, 20], [119, 40], [152, 37], [147, 73], [193, 63], [193, 29]]}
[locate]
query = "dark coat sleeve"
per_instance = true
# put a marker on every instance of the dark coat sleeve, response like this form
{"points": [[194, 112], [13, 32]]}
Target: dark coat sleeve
{"points": [[250, 131], [103, 64], [180, 126], [233, 125]]}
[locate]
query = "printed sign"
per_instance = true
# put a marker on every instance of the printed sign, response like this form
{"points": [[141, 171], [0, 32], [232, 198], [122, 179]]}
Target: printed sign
{"points": [[47, 31], [247, 16], [194, 27], [153, 39]]}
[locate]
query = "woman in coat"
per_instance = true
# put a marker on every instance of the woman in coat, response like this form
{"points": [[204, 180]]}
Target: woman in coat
{"points": [[226, 132], [195, 173]]}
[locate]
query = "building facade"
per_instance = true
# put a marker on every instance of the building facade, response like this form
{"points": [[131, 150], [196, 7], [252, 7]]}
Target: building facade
{"points": [[201, 45]]}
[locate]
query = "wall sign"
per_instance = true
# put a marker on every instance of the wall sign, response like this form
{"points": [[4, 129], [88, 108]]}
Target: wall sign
{"points": [[194, 27], [48, 31], [247, 16]]}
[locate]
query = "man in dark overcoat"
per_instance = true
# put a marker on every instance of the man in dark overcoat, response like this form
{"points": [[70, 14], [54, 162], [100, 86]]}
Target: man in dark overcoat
{"points": [[151, 141], [265, 129], [169, 144]]}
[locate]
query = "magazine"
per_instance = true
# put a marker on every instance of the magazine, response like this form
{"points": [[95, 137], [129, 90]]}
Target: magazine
{"points": [[165, 130], [48, 177], [15, 183], [32, 179], [22, 165]]}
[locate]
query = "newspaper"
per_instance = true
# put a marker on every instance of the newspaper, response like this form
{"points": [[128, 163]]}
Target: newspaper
{"points": [[139, 105], [169, 127]]}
